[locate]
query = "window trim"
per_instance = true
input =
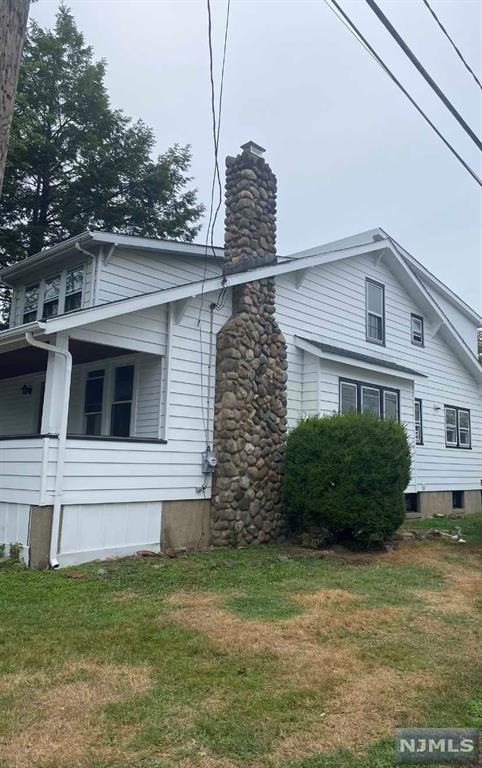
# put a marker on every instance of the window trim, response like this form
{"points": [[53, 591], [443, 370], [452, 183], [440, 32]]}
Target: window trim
{"points": [[109, 365], [413, 317], [370, 339], [36, 309], [62, 291], [457, 444], [359, 384], [419, 401], [132, 401]]}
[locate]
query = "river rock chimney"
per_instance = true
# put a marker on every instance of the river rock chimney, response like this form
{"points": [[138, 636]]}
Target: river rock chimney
{"points": [[250, 402]]}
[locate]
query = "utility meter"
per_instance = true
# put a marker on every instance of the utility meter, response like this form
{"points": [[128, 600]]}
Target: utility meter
{"points": [[209, 460]]}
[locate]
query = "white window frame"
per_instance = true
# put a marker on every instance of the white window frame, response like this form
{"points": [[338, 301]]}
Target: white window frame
{"points": [[35, 309], [413, 332], [391, 393], [354, 386], [368, 312], [109, 367], [457, 410], [418, 422], [62, 290], [364, 387]]}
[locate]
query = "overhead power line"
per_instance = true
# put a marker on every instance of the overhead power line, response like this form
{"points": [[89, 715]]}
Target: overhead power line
{"points": [[418, 64], [457, 50], [353, 29]]}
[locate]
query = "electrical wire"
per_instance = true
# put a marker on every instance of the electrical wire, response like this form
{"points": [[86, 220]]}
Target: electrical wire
{"points": [[418, 65], [353, 29], [456, 49], [213, 214]]}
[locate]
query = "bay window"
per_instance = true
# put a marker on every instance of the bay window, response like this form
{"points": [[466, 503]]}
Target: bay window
{"points": [[361, 397]]}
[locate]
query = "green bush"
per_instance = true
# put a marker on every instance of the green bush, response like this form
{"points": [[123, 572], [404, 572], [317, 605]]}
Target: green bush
{"points": [[347, 473]]}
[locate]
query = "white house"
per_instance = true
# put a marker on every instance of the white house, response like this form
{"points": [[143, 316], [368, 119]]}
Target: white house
{"points": [[107, 381]]}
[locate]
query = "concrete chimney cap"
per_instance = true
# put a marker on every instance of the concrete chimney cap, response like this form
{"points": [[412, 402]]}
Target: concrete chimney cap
{"points": [[253, 148]]}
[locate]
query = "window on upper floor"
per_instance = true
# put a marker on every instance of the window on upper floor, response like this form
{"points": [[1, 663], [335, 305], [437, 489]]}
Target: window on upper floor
{"points": [[358, 396], [54, 295], [457, 427], [30, 304], [73, 289], [418, 422], [416, 330], [375, 312], [51, 294]]}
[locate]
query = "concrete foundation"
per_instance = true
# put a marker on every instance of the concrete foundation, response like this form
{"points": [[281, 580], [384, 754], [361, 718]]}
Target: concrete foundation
{"points": [[185, 524], [39, 539], [431, 503]]}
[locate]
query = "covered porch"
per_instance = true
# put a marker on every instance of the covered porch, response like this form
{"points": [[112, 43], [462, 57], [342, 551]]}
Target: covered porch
{"points": [[73, 419]]}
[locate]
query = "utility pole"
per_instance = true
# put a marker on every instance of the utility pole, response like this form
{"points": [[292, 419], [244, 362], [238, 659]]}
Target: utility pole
{"points": [[13, 23]]}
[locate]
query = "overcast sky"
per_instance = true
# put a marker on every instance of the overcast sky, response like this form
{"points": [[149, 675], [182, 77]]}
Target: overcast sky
{"points": [[349, 151]]}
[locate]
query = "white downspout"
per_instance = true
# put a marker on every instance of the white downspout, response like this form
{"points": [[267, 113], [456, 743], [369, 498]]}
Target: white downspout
{"points": [[54, 538]]}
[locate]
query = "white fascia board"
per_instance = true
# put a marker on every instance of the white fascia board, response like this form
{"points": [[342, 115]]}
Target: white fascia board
{"points": [[191, 290], [16, 334], [355, 362], [420, 293], [164, 246], [425, 274], [45, 255]]}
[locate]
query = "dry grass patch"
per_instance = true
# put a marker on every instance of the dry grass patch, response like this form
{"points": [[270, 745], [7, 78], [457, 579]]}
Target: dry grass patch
{"points": [[464, 581], [362, 703], [66, 726]]}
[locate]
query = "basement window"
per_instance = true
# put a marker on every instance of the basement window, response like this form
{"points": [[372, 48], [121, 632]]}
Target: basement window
{"points": [[411, 503], [458, 500]]}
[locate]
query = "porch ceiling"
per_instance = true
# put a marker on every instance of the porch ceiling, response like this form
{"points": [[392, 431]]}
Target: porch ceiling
{"points": [[26, 360]]}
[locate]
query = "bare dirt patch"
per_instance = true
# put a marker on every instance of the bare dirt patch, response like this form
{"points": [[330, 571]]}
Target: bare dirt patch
{"points": [[66, 724]]}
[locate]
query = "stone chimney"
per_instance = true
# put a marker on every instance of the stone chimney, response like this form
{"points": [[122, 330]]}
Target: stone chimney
{"points": [[250, 401]]}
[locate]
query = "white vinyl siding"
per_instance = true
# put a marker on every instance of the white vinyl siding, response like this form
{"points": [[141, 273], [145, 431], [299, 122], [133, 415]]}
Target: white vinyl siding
{"points": [[330, 307]]}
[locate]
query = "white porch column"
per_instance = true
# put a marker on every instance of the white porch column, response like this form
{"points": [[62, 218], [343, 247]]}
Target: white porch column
{"points": [[55, 387]]}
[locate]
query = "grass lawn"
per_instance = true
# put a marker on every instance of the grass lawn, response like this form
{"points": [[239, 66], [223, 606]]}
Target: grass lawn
{"points": [[267, 658]]}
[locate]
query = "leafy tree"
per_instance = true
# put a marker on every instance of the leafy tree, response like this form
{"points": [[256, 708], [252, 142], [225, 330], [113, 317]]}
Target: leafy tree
{"points": [[75, 163]]}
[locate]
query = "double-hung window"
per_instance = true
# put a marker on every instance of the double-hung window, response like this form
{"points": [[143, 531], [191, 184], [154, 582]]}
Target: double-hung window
{"points": [[93, 404], [375, 312], [416, 330], [121, 411], [51, 297], [457, 427], [30, 303], [73, 289], [358, 396], [418, 422]]}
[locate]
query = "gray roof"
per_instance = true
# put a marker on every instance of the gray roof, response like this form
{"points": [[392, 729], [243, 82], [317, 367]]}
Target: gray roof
{"points": [[329, 349]]}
